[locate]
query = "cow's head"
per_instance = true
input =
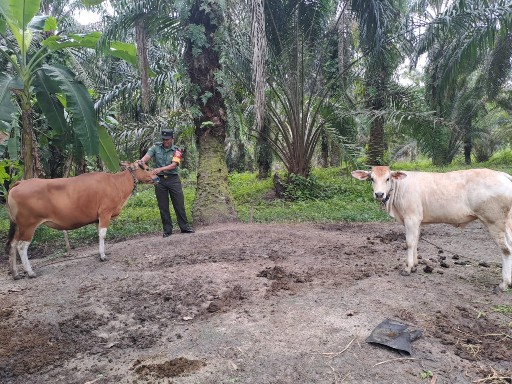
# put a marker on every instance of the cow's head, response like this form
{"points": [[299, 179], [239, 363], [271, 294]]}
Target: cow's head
{"points": [[140, 172], [381, 178]]}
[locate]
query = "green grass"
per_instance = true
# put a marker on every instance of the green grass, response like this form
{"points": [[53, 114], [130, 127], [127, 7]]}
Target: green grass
{"points": [[505, 309], [339, 198], [346, 199]]}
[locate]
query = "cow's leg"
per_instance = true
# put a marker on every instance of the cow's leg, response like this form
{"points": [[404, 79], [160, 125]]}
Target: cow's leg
{"points": [[502, 235], [506, 271], [103, 223], [22, 247], [102, 232], [13, 267], [412, 234], [506, 266]]}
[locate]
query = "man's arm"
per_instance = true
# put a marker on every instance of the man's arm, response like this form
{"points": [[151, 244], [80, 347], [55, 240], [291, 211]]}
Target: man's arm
{"points": [[145, 158], [167, 168]]}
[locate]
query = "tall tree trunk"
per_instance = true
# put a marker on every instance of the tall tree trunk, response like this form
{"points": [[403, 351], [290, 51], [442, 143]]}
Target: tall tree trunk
{"points": [[324, 150], [376, 143], [57, 162], [264, 151], [335, 154], [376, 102], [259, 42], [344, 27], [213, 203], [468, 144], [29, 150], [141, 40]]}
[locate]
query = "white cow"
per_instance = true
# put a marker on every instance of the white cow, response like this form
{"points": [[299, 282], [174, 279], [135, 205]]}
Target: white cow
{"points": [[456, 198]]}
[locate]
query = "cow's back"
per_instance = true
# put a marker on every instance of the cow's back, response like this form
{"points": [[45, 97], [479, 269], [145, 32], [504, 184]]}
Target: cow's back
{"points": [[456, 197]]}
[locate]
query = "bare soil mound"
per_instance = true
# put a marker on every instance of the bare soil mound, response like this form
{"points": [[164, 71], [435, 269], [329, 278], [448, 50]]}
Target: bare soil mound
{"points": [[247, 303]]}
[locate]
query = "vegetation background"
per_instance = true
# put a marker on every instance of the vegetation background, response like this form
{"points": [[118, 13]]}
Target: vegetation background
{"points": [[330, 195]]}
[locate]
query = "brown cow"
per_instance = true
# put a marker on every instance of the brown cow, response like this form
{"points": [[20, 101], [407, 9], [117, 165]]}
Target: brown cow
{"points": [[457, 198], [68, 203]]}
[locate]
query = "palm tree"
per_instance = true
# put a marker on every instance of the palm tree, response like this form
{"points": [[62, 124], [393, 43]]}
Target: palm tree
{"points": [[468, 46], [140, 21], [379, 21], [297, 38], [259, 42], [27, 74], [204, 23]]}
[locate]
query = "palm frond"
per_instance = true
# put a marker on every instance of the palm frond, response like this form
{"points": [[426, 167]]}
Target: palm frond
{"points": [[499, 67], [461, 35]]}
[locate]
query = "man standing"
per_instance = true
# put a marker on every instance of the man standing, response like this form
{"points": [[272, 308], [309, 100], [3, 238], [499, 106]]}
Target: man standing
{"points": [[167, 159]]}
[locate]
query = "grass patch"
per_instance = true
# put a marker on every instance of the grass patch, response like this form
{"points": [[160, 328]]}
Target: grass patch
{"points": [[504, 309], [342, 199]]}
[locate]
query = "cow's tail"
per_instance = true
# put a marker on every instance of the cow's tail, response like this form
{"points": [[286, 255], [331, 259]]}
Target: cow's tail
{"points": [[12, 224], [10, 236]]}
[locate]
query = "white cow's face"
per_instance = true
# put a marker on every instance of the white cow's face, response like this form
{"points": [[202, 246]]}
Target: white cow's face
{"points": [[381, 178]]}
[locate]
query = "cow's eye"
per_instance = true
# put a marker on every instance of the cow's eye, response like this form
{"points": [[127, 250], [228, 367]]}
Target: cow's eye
{"points": [[387, 179]]}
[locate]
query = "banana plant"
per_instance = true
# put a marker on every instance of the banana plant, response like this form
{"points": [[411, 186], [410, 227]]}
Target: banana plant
{"points": [[28, 43]]}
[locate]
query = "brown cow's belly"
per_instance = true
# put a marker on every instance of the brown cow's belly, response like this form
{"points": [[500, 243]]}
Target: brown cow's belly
{"points": [[67, 226]]}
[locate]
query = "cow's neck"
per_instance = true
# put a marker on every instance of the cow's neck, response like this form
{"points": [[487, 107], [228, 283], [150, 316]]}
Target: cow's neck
{"points": [[135, 181], [127, 183], [388, 201]]}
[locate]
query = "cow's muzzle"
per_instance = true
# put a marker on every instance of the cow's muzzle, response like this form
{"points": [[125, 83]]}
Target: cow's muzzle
{"points": [[379, 195]]}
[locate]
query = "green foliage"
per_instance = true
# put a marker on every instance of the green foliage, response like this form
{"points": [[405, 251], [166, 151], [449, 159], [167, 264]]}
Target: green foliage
{"points": [[426, 374], [197, 36], [184, 173], [342, 198], [505, 309], [79, 103], [299, 188], [10, 171], [500, 158], [330, 197], [246, 188]]}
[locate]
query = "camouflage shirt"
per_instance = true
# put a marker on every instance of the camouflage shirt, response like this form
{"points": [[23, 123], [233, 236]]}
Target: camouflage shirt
{"points": [[165, 156]]}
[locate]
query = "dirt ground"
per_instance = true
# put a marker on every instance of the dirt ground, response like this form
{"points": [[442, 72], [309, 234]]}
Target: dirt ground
{"points": [[248, 303]]}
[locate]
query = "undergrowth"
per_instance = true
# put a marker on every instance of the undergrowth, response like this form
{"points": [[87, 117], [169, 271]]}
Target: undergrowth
{"points": [[329, 195]]}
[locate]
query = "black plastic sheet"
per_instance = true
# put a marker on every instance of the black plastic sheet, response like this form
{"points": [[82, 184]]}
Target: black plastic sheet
{"points": [[394, 335]]}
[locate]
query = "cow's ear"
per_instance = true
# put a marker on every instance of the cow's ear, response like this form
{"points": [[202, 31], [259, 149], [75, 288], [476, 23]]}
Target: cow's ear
{"points": [[361, 175], [397, 175]]}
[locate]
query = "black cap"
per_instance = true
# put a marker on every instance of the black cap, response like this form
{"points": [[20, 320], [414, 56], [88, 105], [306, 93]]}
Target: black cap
{"points": [[167, 134]]}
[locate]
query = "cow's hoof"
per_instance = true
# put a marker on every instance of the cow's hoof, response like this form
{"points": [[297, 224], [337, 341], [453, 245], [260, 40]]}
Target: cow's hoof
{"points": [[103, 259], [502, 287], [17, 277], [32, 275], [404, 272]]}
